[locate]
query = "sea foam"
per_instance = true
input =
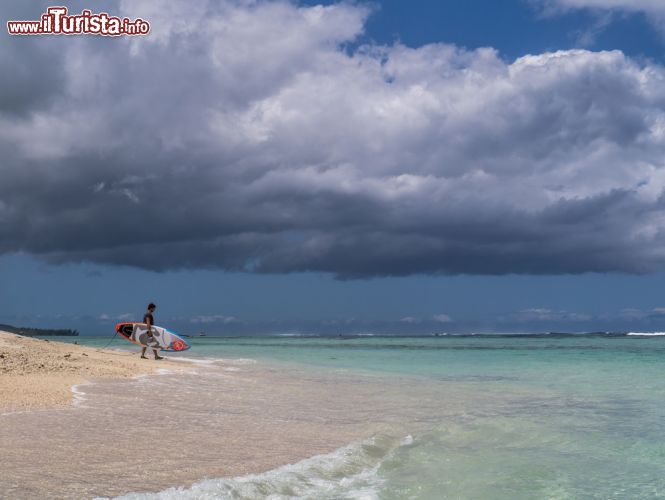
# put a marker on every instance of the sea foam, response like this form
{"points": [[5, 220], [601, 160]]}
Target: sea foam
{"points": [[351, 472]]}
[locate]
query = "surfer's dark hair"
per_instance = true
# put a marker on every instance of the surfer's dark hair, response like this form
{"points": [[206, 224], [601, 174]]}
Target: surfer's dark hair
{"points": [[152, 306]]}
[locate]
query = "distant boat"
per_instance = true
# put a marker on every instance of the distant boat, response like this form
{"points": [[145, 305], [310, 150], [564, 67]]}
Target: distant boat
{"points": [[202, 334]]}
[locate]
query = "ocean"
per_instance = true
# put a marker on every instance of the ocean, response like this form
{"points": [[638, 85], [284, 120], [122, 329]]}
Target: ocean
{"points": [[461, 417]]}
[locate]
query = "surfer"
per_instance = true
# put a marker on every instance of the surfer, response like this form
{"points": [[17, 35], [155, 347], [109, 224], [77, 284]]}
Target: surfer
{"points": [[149, 320]]}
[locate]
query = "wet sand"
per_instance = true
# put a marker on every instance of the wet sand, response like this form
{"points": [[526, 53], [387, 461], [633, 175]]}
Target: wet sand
{"points": [[222, 419], [158, 432], [37, 373]]}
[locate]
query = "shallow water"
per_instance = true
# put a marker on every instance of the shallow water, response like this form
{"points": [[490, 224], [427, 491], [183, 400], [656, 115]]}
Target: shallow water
{"points": [[437, 417]]}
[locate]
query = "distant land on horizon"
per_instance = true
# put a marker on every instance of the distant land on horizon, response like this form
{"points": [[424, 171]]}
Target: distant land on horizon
{"points": [[38, 332]]}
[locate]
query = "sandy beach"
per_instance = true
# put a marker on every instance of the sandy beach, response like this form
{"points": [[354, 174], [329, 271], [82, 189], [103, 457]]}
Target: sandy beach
{"points": [[223, 419], [36, 373]]}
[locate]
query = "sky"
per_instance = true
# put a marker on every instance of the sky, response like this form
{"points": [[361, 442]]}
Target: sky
{"points": [[258, 166]]}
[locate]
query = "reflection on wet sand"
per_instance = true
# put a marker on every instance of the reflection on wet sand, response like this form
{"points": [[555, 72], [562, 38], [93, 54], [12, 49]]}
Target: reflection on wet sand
{"points": [[223, 420]]}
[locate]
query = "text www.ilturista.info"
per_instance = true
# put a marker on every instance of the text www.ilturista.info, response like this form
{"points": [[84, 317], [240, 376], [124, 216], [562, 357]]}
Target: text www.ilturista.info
{"points": [[56, 22]]}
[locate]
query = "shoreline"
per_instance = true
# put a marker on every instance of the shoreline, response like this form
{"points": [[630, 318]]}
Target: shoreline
{"points": [[211, 426], [230, 420], [41, 374]]}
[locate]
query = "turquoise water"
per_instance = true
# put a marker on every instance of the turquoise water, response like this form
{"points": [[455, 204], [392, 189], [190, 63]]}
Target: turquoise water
{"points": [[549, 417]]}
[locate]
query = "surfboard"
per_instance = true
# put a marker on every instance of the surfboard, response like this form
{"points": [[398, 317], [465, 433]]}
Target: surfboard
{"points": [[161, 338]]}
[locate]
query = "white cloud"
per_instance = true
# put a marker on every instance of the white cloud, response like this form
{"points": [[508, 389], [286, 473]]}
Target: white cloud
{"points": [[543, 314], [442, 318], [634, 5], [633, 313], [254, 141], [214, 318], [654, 9]]}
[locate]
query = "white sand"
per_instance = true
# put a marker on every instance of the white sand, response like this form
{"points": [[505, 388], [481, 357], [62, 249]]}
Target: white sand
{"points": [[38, 373]]}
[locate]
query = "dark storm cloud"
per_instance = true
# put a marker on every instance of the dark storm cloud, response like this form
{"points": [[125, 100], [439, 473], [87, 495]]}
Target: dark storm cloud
{"points": [[32, 76], [239, 135]]}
